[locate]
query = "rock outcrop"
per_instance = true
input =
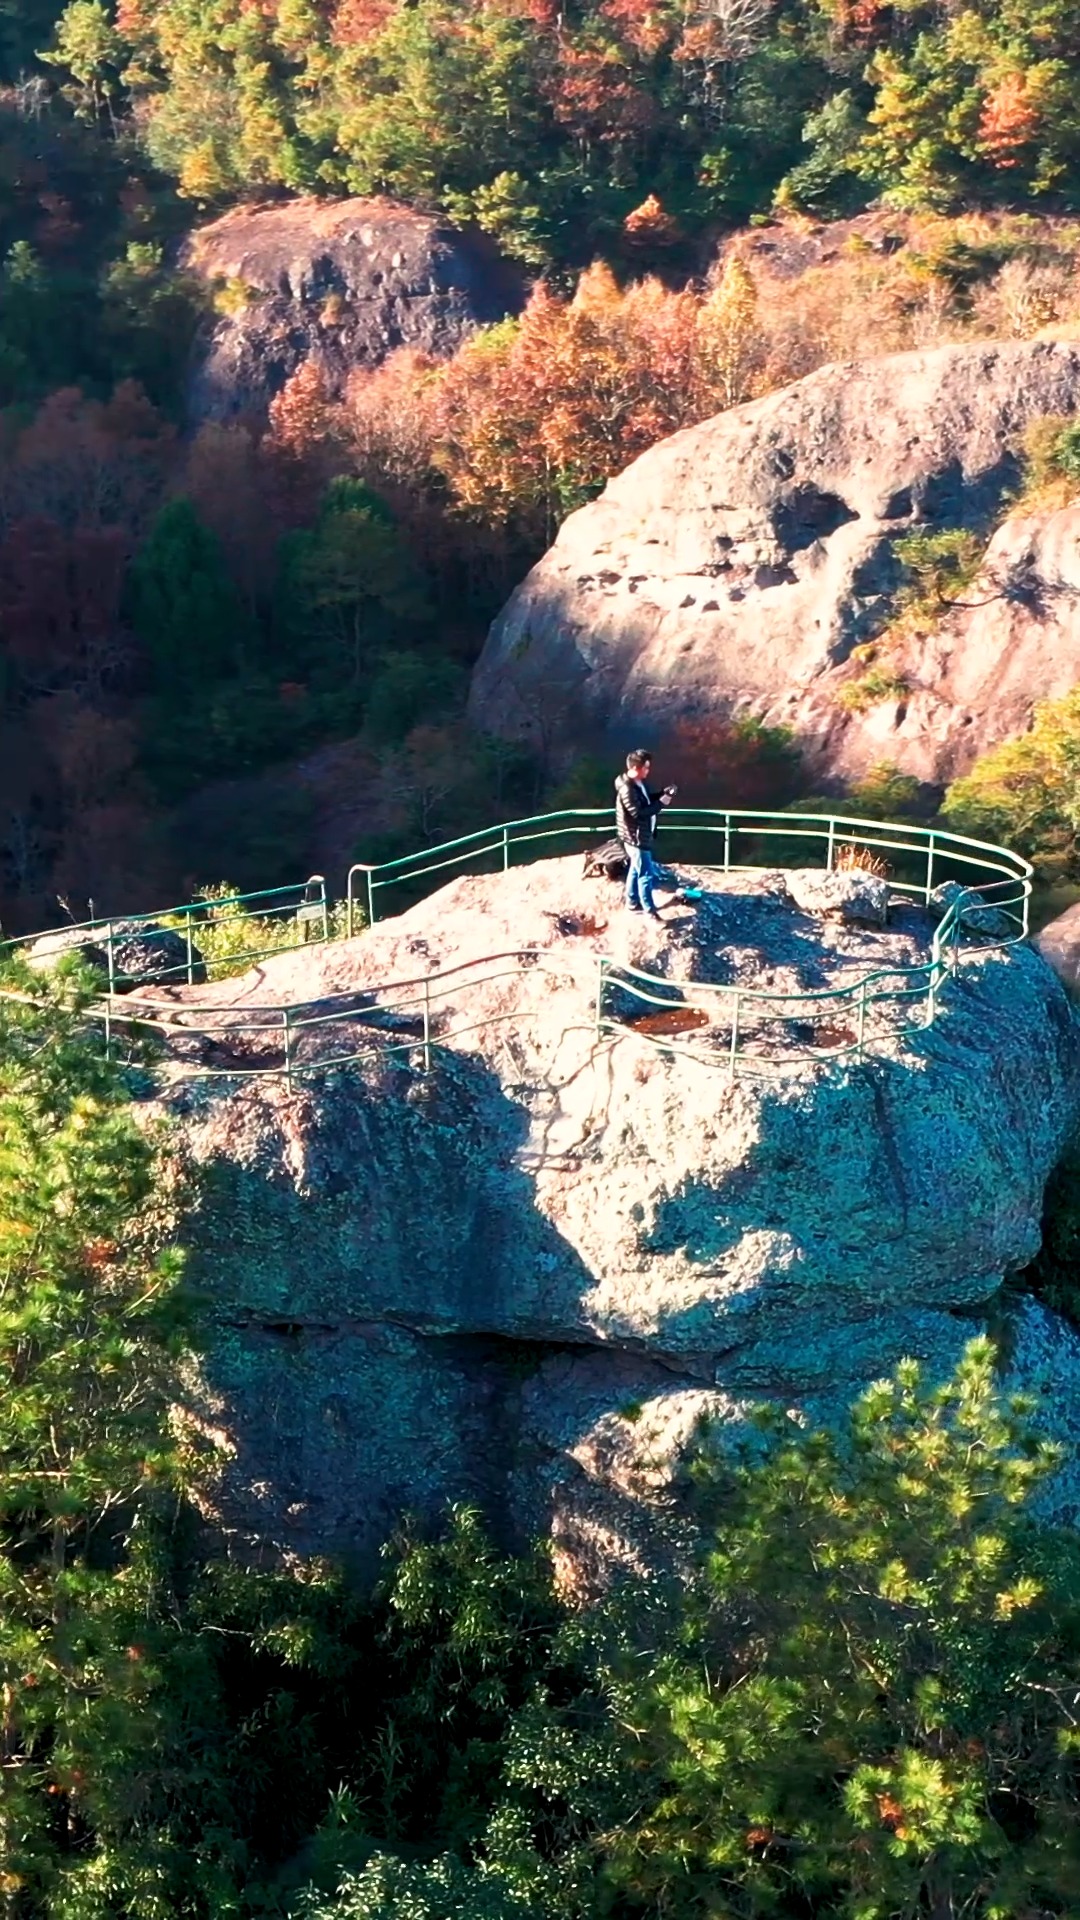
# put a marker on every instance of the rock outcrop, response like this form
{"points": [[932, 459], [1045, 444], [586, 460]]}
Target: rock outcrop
{"points": [[1059, 944], [341, 282], [143, 953], [735, 566], [524, 1276]]}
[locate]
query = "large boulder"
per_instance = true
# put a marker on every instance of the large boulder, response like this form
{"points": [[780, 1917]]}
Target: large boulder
{"points": [[144, 953], [522, 1276], [735, 566], [340, 282], [1059, 944]]}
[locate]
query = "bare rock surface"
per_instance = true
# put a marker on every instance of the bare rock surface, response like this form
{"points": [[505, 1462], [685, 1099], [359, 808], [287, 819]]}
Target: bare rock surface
{"points": [[342, 282], [143, 953], [524, 1276], [1059, 944], [860, 898], [735, 566]]}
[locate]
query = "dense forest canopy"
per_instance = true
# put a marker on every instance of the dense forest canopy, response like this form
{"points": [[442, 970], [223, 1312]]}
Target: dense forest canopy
{"points": [[550, 125]]}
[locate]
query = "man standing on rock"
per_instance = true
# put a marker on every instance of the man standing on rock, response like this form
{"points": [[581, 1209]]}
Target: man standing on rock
{"points": [[636, 811]]}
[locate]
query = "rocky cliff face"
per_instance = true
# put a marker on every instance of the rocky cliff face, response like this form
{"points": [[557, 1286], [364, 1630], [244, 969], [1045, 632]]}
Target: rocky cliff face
{"points": [[525, 1276], [734, 568], [341, 282]]}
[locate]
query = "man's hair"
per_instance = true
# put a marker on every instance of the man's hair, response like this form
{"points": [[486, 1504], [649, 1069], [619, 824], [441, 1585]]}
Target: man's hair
{"points": [[640, 757]]}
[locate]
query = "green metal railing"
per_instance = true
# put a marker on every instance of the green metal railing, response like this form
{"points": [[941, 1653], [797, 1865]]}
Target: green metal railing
{"points": [[722, 834], [292, 910], [738, 1025]]}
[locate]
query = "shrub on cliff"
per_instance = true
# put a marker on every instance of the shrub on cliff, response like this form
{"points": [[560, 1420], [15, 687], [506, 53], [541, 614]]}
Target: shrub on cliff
{"points": [[1026, 792]]}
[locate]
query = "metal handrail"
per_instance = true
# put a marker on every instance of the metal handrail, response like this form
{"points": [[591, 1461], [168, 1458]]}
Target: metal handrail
{"points": [[922, 981], [835, 830], [302, 901]]}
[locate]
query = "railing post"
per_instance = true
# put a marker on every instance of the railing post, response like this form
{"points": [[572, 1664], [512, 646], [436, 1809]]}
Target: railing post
{"points": [[427, 1026], [727, 843], [112, 959], [325, 909], [930, 868], [370, 900], [831, 849], [288, 1048], [506, 849], [734, 1034], [862, 1019], [190, 949]]}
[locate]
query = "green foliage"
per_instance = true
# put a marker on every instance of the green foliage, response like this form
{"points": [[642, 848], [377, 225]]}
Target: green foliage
{"points": [[1051, 452], [410, 688], [1026, 792], [939, 567], [91, 51], [92, 1329], [183, 605], [860, 1708], [388, 1888], [230, 933], [876, 684], [855, 1722], [349, 588], [884, 793]]}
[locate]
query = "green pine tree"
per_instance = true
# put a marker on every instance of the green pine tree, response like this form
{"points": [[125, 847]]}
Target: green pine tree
{"points": [[184, 606], [106, 1712]]}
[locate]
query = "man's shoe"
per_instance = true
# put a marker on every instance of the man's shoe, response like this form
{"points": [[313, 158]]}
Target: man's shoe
{"points": [[653, 913], [635, 909]]}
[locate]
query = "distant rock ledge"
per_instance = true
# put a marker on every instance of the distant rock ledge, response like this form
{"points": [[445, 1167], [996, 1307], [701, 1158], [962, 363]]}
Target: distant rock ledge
{"points": [[340, 282]]}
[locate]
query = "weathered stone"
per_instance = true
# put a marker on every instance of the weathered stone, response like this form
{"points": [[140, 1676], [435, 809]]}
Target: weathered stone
{"points": [[1059, 944], [339, 282], [562, 1229], [143, 953], [64, 943], [1044, 1364], [146, 954], [735, 566], [860, 898], [989, 922]]}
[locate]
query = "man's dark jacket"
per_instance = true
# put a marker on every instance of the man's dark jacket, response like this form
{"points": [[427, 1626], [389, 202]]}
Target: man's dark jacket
{"points": [[635, 813]]}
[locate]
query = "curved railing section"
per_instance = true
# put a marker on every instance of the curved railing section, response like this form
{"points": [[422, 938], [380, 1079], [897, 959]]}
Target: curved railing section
{"points": [[740, 1026]]}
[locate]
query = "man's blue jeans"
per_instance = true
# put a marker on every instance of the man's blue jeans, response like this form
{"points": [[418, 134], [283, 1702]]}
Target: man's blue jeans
{"points": [[639, 880]]}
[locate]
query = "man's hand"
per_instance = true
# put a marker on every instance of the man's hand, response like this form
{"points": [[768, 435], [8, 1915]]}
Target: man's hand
{"points": [[668, 796]]}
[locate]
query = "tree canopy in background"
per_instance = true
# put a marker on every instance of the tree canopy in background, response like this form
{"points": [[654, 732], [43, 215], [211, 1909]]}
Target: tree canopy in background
{"points": [[558, 130]]}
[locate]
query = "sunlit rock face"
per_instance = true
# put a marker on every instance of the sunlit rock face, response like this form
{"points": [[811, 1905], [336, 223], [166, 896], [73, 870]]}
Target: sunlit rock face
{"points": [[339, 282], [736, 566]]}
